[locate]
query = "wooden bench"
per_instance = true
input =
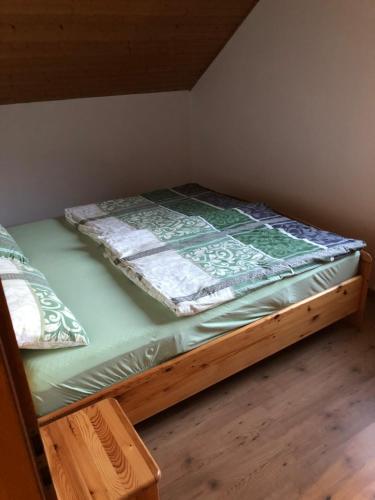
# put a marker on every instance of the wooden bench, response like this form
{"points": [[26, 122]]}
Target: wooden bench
{"points": [[96, 453]]}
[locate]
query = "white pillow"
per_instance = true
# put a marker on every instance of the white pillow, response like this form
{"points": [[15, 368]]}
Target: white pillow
{"points": [[40, 320]]}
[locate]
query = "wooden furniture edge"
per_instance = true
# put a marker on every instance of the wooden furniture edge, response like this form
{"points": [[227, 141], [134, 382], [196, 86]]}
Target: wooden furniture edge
{"points": [[154, 390], [19, 379], [20, 438], [365, 269], [96, 452], [149, 459]]}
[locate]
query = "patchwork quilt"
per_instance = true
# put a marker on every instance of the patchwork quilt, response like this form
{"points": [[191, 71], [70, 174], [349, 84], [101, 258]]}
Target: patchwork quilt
{"points": [[192, 248]]}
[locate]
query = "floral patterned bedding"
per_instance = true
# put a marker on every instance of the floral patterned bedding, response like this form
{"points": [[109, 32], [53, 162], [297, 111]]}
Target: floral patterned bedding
{"points": [[192, 248], [9, 248], [40, 320]]}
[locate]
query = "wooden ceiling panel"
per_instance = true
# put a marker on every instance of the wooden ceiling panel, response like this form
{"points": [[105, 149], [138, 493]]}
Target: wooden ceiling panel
{"points": [[60, 49]]}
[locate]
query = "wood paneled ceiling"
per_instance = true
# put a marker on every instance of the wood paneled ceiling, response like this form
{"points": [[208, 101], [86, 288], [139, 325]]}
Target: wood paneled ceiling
{"points": [[60, 49]]}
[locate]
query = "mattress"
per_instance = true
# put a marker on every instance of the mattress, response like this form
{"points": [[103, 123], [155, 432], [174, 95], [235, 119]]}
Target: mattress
{"points": [[130, 331]]}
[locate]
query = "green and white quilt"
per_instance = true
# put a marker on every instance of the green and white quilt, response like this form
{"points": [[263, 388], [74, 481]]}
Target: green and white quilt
{"points": [[8, 246], [40, 320], [193, 249]]}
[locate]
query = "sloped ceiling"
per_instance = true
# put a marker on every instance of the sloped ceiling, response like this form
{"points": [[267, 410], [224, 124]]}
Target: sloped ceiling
{"points": [[59, 49]]}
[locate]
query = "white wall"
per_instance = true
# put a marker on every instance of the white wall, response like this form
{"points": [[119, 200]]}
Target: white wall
{"points": [[286, 113], [62, 153]]}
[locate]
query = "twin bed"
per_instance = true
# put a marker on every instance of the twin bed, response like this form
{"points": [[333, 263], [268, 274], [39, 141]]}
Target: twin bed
{"points": [[143, 354]]}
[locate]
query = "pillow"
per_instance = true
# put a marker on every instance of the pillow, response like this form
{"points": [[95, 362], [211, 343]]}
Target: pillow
{"points": [[40, 320], [8, 246]]}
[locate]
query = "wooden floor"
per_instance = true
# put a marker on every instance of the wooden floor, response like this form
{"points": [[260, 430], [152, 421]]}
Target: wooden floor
{"points": [[300, 425]]}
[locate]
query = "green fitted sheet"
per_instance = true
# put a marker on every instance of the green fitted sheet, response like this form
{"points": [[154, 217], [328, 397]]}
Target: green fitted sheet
{"points": [[129, 331]]}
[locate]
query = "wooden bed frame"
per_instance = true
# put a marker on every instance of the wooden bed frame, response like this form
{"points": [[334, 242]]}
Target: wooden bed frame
{"points": [[150, 392], [158, 388]]}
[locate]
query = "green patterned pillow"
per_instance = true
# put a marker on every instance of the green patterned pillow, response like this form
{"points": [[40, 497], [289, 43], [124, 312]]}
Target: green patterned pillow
{"points": [[8, 246], [40, 319]]}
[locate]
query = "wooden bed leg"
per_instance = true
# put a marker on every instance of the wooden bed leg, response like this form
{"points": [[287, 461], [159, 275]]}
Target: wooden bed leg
{"points": [[365, 268]]}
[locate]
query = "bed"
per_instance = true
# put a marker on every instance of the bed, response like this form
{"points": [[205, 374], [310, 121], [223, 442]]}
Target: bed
{"points": [[148, 358]]}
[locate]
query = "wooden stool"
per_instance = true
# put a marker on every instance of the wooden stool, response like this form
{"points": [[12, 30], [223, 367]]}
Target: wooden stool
{"points": [[96, 453]]}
